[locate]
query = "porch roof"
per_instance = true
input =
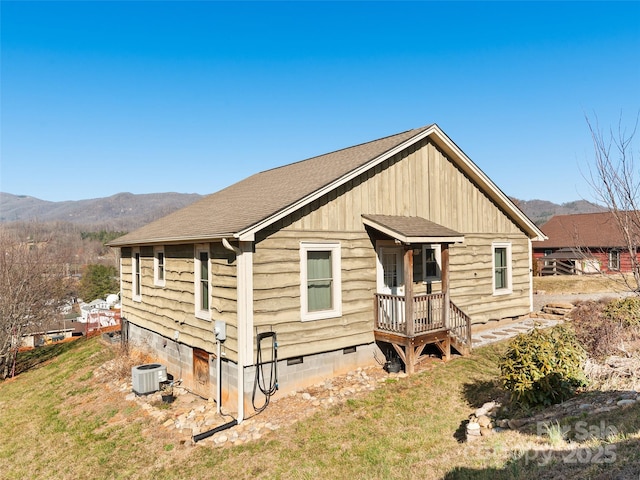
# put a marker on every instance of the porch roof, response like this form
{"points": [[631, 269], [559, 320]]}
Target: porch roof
{"points": [[412, 229]]}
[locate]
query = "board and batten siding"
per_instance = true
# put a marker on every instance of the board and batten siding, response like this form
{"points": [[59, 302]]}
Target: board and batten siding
{"points": [[165, 309], [421, 181]]}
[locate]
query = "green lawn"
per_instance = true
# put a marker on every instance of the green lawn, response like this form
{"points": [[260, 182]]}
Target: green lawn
{"points": [[58, 421]]}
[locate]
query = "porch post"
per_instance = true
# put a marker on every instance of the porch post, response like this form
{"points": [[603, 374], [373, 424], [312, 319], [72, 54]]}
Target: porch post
{"points": [[408, 309], [408, 291], [445, 284]]}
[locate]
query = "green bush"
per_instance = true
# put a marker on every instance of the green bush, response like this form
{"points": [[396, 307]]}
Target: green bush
{"points": [[624, 310], [543, 367]]}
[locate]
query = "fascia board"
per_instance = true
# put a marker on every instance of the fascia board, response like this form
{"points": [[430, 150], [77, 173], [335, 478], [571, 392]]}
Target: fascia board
{"points": [[474, 172], [248, 233]]}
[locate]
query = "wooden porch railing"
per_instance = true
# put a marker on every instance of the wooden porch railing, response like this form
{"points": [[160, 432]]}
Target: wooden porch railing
{"points": [[460, 326], [427, 317], [427, 313]]}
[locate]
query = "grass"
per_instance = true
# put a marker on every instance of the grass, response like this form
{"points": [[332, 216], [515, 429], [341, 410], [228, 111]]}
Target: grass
{"points": [[571, 284], [59, 422]]}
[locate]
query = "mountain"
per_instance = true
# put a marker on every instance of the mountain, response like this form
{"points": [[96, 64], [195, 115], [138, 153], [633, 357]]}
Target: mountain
{"points": [[540, 211], [126, 211], [123, 211]]}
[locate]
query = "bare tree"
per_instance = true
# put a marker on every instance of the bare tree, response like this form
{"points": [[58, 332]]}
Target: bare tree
{"points": [[32, 289], [616, 184]]}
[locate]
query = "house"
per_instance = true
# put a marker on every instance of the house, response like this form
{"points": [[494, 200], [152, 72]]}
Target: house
{"points": [[583, 243], [327, 258]]}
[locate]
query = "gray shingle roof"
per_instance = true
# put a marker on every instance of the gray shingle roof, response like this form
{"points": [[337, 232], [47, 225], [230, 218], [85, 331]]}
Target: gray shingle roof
{"points": [[412, 229], [246, 203]]}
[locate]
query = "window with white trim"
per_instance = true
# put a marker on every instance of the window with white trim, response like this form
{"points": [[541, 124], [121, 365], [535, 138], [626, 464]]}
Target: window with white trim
{"points": [[502, 268], [431, 263], [614, 259], [136, 275], [158, 266], [320, 281], [202, 281]]}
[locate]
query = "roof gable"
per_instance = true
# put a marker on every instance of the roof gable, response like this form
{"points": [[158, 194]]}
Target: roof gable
{"points": [[250, 205]]}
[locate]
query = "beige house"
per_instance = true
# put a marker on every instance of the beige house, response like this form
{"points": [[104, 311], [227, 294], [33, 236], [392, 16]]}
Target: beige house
{"points": [[328, 257]]}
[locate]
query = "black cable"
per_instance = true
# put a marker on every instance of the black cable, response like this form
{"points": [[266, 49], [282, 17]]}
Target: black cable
{"points": [[260, 365]]}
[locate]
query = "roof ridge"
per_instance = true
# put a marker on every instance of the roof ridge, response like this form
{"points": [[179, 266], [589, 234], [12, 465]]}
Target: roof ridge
{"points": [[417, 130]]}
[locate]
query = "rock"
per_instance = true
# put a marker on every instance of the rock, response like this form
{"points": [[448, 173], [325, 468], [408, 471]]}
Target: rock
{"points": [[220, 439], [516, 423], [486, 432], [503, 423], [566, 306], [168, 423], [484, 421], [585, 406], [473, 428], [625, 401], [306, 396]]}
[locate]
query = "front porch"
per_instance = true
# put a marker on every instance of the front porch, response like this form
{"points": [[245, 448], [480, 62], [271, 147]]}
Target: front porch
{"points": [[431, 325]]}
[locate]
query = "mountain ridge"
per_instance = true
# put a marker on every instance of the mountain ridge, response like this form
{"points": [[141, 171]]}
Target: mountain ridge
{"points": [[128, 211]]}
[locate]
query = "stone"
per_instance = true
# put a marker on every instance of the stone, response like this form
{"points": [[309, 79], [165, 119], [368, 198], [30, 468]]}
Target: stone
{"points": [[306, 396], [484, 421], [220, 439], [625, 401], [503, 423], [473, 428], [516, 423], [485, 408], [486, 432]]}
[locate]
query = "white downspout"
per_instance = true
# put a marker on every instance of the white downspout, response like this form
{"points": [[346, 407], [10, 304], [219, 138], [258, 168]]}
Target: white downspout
{"points": [[244, 279]]}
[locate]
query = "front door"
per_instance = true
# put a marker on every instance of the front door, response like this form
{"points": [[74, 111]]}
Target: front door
{"points": [[392, 265], [391, 282]]}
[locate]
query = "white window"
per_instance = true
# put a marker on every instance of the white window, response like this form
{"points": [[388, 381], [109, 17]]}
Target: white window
{"points": [[431, 263], [202, 281], [158, 266], [501, 268], [614, 259], [136, 275], [320, 281]]}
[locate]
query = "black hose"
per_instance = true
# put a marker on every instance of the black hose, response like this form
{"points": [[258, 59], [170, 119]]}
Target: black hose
{"points": [[273, 374], [213, 431]]}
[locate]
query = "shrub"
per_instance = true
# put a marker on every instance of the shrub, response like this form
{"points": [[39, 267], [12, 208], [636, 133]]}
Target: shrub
{"points": [[624, 310], [606, 327], [543, 367]]}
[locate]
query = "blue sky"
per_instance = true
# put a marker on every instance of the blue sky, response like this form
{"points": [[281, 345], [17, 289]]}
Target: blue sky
{"points": [[105, 97]]}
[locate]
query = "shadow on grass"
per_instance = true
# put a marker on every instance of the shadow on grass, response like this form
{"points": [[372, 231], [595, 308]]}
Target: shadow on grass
{"points": [[31, 358], [482, 391]]}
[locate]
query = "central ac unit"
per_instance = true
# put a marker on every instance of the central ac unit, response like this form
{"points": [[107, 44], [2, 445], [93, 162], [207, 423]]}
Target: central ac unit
{"points": [[147, 378]]}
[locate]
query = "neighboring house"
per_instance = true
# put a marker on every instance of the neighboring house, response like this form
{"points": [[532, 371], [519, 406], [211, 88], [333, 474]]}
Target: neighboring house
{"points": [[92, 307], [319, 253], [582, 243]]}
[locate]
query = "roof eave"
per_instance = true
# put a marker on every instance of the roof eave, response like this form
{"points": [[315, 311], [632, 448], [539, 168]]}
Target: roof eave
{"points": [[444, 142], [173, 240]]}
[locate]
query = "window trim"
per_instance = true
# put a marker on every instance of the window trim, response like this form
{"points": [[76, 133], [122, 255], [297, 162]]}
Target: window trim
{"points": [[136, 275], [614, 252], [438, 254], [160, 282], [336, 283], [509, 268], [197, 280]]}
